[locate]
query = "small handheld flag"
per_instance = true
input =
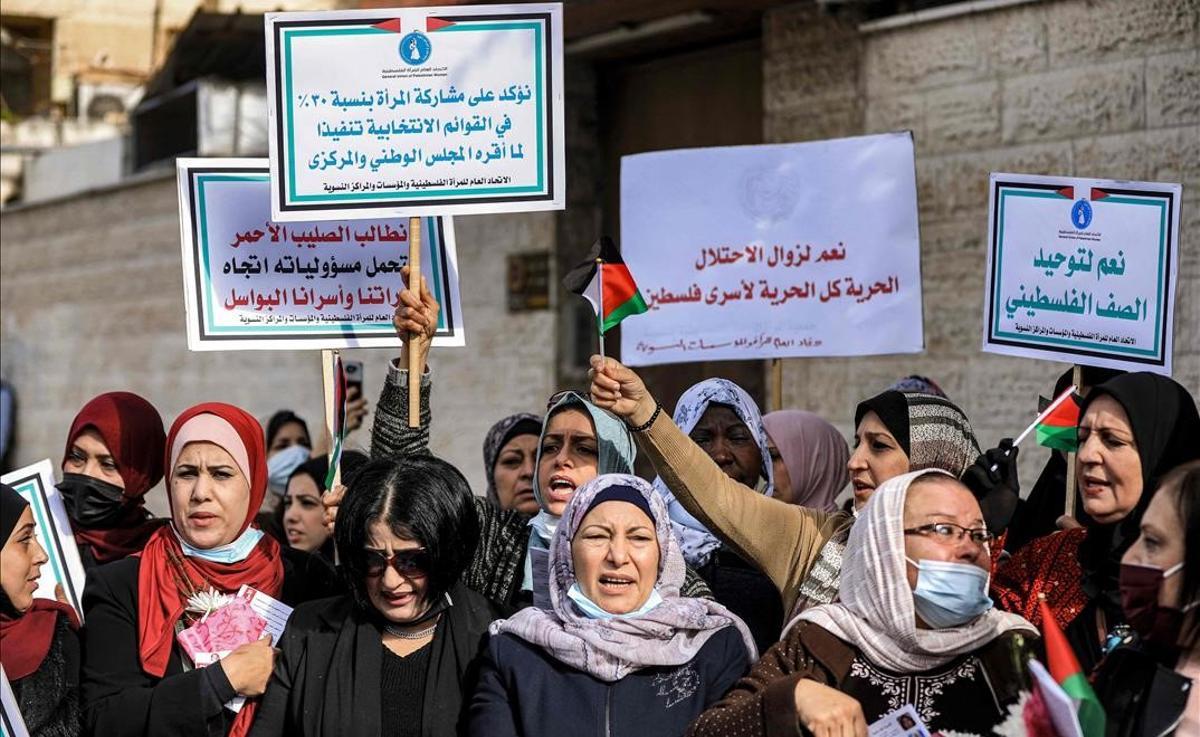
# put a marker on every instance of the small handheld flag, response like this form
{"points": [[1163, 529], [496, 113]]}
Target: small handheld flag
{"points": [[605, 281], [339, 420], [1057, 424], [1064, 668]]}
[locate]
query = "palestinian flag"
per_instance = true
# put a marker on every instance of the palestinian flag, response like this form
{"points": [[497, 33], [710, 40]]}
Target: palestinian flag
{"points": [[1064, 668], [605, 281], [1058, 426]]}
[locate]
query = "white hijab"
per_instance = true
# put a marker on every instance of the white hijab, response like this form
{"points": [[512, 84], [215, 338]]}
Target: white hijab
{"points": [[876, 613]]}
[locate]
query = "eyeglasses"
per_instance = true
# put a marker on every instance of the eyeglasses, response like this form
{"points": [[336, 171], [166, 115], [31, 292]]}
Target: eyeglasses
{"points": [[408, 563], [949, 533]]}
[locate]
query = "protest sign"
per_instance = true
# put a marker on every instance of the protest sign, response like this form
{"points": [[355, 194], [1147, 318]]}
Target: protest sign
{"points": [[37, 486], [251, 283], [1082, 270], [418, 111], [12, 724], [804, 249]]}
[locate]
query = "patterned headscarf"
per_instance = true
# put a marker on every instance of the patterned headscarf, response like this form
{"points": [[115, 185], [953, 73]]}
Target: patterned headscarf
{"points": [[698, 543], [522, 423], [876, 613], [670, 634], [931, 430]]}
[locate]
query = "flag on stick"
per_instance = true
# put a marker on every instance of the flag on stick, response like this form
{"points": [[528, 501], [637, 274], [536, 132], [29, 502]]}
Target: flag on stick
{"points": [[339, 419], [1057, 426], [605, 281], [1064, 668]]}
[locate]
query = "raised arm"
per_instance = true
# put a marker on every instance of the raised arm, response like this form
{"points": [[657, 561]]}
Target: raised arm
{"points": [[416, 322], [781, 539]]}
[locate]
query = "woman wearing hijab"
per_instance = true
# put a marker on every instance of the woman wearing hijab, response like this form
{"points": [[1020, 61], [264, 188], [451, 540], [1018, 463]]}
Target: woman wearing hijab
{"points": [[809, 456], [1149, 685], [301, 516], [619, 651], [114, 455], [39, 644], [395, 656], [1132, 430], [509, 453], [136, 680], [578, 441], [913, 625], [721, 418], [798, 548]]}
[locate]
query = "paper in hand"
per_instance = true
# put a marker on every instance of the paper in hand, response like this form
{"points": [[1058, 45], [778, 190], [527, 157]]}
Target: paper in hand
{"points": [[903, 722]]}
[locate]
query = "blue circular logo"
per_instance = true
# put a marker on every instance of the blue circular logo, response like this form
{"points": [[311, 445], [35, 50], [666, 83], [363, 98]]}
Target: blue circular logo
{"points": [[1081, 214], [415, 48]]}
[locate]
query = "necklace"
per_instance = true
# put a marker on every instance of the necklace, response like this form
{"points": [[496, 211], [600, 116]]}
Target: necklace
{"points": [[404, 634]]}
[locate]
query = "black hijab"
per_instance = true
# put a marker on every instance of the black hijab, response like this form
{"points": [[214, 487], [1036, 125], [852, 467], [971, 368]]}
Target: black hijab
{"points": [[12, 506], [1166, 428]]}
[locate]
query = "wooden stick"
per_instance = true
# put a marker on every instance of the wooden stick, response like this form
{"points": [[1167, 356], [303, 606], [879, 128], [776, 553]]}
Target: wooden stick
{"points": [[1069, 507], [776, 384], [600, 317], [328, 379], [414, 287]]}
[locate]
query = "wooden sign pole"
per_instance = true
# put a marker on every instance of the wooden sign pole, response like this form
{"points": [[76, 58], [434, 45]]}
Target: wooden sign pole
{"points": [[414, 287], [776, 384]]}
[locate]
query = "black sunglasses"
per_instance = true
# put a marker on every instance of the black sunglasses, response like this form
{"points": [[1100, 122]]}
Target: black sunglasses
{"points": [[408, 563]]}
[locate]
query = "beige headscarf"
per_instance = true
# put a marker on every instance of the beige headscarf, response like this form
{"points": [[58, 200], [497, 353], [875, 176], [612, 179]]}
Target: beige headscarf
{"points": [[876, 613]]}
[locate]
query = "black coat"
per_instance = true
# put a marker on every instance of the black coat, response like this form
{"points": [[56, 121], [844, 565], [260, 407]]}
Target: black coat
{"points": [[48, 698], [525, 691], [122, 700], [327, 680]]}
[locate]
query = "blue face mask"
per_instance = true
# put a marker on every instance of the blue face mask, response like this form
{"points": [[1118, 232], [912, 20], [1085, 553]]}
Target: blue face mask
{"points": [[949, 594], [234, 552], [281, 465], [592, 610]]}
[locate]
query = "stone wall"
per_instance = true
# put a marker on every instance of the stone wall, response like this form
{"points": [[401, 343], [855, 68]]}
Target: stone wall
{"points": [[1097, 88], [92, 302]]}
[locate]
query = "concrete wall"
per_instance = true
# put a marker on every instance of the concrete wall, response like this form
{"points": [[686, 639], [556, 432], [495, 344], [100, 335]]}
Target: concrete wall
{"points": [[92, 302], [1098, 88]]}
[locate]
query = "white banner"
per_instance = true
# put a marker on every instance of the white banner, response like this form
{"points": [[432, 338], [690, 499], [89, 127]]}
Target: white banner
{"points": [[12, 724], [37, 486], [1082, 270], [251, 283], [453, 110], [801, 249]]}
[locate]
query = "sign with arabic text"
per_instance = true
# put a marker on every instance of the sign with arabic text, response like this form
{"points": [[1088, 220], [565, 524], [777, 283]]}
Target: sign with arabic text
{"points": [[1082, 270], [453, 110], [799, 249], [52, 526], [253, 283]]}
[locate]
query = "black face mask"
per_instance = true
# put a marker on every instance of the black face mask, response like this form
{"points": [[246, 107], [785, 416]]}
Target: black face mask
{"points": [[91, 502]]}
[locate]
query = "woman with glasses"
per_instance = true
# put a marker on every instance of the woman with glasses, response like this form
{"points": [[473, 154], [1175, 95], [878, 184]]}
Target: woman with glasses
{"points": [[913, 625], [394, 656]]}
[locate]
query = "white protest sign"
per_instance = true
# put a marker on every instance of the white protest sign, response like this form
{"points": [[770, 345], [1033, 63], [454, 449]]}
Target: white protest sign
{"points": [[801, 249], [1082, 270], [451, 110], [251, 283], [36, 485], [12, 724]]}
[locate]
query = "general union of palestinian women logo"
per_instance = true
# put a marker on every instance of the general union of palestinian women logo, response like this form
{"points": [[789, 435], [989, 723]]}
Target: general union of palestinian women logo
{"points": [[1081, 214], [415, 48]]}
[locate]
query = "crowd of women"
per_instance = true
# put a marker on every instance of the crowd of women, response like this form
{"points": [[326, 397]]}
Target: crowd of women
{"points": [[731, 595]]}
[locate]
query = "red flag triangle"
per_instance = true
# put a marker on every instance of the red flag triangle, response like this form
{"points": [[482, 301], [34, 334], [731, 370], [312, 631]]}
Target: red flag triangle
{"points": [[1098, 194], [388, 25], [436, 24], [1068, 192]]}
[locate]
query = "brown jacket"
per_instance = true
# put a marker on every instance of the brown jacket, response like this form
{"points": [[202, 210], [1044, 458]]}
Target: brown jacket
{"points": [[781, 539], [763, 704]]}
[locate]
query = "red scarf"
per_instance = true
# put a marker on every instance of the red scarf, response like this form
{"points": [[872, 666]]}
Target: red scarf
{"points": [[26, 639], [133, 431], [129, 535], [161, 593]]}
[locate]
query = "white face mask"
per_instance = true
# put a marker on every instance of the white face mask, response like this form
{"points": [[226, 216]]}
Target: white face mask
{"points": [[281, 465]]}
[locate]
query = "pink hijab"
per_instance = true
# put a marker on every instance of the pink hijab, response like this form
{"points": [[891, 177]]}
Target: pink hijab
{"points": [[815, 454]]}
